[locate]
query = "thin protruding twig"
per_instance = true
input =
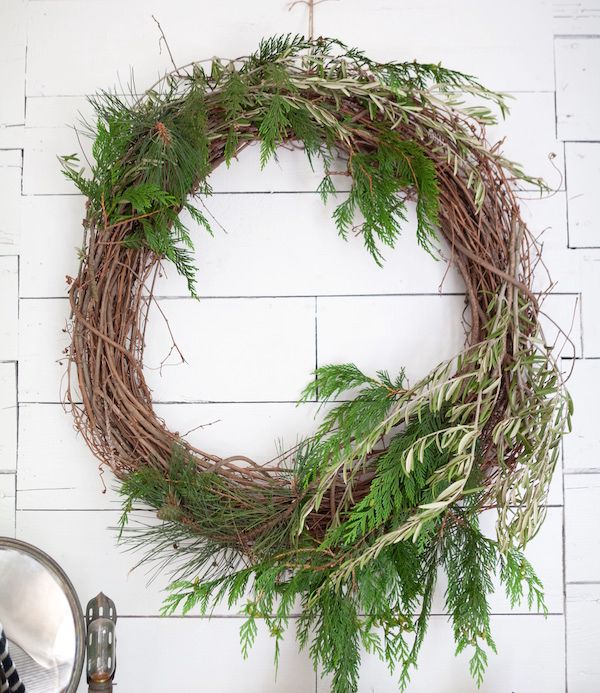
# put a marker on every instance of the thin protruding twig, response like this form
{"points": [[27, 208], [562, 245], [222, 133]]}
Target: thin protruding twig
{"points": [[311, 4], [163, 39]]}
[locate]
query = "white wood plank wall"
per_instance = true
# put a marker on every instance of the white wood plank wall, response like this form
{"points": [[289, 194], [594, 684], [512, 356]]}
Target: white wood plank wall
{"points": [[281, 294]]}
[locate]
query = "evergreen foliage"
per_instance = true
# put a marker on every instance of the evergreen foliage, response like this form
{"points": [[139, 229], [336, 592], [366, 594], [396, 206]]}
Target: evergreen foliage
{"points": [[150, 155], [382, 605]]}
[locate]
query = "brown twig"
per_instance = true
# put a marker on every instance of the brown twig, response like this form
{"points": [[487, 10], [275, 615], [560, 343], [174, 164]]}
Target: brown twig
{"points": [[163, 39]]}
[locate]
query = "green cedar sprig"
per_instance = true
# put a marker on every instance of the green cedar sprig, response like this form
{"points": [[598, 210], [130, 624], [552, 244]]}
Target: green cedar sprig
{"points": [[384, 608], [150, 154]]}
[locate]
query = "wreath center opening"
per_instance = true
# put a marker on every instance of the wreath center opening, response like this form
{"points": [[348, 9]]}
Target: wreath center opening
{"points": [[276, 272]]}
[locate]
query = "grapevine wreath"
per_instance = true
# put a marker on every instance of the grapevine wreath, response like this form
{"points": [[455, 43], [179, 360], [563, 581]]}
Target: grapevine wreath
{"points": [[354, 523]]}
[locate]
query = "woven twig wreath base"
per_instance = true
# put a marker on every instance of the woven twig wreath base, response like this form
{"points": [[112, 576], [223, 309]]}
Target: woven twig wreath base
{"points": [[502, 397]]}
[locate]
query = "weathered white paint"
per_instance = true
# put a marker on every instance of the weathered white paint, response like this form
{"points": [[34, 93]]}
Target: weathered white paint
{"points": [[283, 294]]}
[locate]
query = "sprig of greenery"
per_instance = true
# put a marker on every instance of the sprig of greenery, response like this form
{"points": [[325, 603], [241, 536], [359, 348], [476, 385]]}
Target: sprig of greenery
{"points": [[383, 608], [150, 154]]}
